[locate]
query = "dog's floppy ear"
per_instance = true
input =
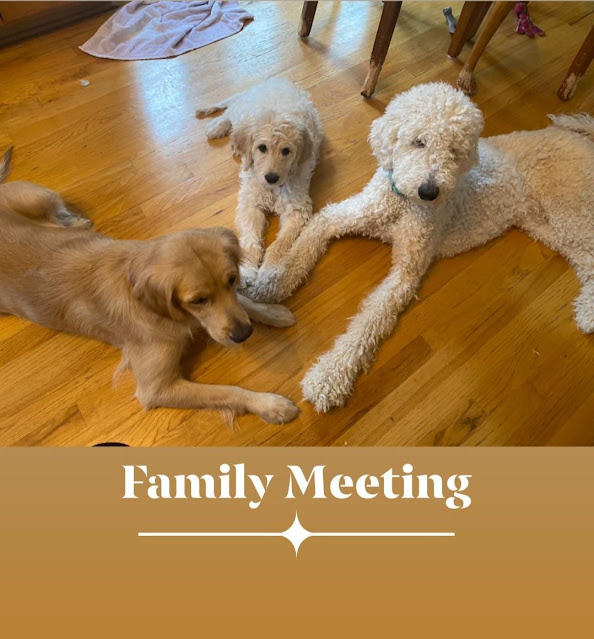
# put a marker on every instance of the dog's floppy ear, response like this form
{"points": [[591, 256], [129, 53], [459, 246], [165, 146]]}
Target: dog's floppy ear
{"points": [[242, 140], [154, 287], [472, 123], [229, 241], [382, 138], [305, 145]]}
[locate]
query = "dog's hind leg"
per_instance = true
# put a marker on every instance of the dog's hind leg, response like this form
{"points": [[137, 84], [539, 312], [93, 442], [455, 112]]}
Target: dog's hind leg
{"points": [[64, 216], [583, 263], [215, 108], [571, 234], [584, 307], [219, 128], [40, 204]]}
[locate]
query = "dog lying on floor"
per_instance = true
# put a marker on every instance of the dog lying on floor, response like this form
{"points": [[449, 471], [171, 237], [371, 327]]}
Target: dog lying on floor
{"points": [[145, 298], [276, 130], [440, 191]]}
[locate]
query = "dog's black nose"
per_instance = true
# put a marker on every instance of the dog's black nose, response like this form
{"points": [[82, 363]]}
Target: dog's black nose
{"points": [[271, 178], [428, 191], [241, 332]]}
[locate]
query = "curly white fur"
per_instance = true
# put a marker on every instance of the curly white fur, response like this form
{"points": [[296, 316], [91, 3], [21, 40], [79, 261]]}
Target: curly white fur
{"points": [[276, 130], [540, 181]]}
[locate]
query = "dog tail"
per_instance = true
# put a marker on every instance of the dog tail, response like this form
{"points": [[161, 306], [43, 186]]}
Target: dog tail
{"points": [[582, 123], [5, 165]]}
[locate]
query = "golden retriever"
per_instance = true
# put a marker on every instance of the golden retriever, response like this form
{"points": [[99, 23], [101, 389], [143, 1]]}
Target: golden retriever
{"points": [[145, 298]]}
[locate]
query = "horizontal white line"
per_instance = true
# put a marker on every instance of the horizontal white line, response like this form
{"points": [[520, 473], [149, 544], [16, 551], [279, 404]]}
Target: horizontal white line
{"points": [[282, 534], [209, 534], [384, 534]]}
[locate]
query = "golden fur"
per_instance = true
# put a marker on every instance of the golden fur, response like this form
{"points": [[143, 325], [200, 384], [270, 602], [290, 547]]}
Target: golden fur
{"points": [[146, 298]]}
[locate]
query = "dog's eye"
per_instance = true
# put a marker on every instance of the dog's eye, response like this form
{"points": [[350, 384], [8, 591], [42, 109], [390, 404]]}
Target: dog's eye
{"points": [[286, 151], [262, 148], [199, 300], [455, 153], [232, 280], [418, 143]]}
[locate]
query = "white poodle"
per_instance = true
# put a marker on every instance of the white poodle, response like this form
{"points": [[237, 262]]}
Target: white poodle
{"points": [[440, 190], [276, 130]]}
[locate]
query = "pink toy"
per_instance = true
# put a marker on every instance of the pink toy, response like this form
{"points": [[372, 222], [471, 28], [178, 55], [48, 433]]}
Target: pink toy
{"points": [[524, 24]]}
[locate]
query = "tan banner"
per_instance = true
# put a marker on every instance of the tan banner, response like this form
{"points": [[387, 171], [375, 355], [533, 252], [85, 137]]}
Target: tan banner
{"points": [[202, 542]]}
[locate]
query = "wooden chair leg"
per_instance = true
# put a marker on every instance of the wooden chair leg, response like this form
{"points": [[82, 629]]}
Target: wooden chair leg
{"points": [[578, 67], [307, 16], [381, 45], [466, 80], [470, 18], [477, 18]]}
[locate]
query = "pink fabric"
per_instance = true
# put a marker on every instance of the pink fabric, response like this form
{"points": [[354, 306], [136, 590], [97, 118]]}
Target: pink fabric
{"points": [[524, 24], [163, 29]]}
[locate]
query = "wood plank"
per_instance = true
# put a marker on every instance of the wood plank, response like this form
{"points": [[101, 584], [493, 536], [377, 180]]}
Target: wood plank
{"points": [[488, 355]]}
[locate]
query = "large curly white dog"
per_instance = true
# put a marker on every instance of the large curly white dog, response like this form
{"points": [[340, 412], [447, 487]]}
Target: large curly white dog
{"points": [[276, 130], [439, 191]]}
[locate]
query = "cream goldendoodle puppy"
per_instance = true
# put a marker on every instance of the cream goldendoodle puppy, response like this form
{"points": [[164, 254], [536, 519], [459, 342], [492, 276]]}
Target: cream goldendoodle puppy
{"points": [[276, 130], [439, 190]]}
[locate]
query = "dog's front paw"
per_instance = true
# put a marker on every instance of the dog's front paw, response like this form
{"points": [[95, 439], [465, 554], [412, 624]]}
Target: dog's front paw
{"points": [[276, 409], [278, 315], [248, 274], [326, 384], [268, 286]]}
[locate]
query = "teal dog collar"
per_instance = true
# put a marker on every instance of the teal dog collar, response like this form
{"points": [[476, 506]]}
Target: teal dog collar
{"points": [[394, 187]]}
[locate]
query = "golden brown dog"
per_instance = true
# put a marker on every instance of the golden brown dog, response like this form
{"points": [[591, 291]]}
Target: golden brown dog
{"points": [[146, 298]]}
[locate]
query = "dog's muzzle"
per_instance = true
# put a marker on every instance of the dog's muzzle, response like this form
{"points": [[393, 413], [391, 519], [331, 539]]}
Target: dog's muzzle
{"points": [[428, 191], [241, 332]]}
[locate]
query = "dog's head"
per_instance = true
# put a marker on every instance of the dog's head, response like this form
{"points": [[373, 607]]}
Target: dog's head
{"points": [[191, 277], [428, 138], [273, 148]]}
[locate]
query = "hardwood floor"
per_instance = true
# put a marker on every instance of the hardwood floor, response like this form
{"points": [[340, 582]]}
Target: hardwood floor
{"points": [[488, 355]]}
